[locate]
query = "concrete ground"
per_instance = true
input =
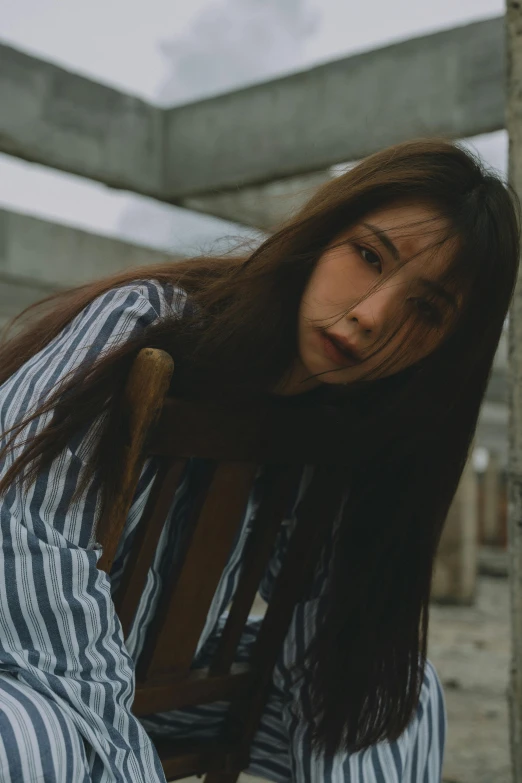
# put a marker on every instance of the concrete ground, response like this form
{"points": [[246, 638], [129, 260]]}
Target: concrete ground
{"points": [[469, 646]]}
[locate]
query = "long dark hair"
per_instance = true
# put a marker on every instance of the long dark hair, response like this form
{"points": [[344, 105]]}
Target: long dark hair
{"points": [[414, 428]]}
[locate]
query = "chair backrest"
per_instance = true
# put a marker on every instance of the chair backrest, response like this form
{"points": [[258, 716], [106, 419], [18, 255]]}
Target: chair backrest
{"points": [[236, 441]]}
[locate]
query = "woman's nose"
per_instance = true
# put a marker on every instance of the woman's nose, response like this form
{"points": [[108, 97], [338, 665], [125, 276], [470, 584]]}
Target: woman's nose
{"points": [[373, 313]]}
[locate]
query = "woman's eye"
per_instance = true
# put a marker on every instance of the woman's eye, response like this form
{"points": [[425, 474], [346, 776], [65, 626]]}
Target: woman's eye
{"points": [[428, 310], [371, 258]]}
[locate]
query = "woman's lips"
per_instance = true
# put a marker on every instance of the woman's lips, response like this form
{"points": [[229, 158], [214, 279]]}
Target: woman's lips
{"points": [[335, 352]]}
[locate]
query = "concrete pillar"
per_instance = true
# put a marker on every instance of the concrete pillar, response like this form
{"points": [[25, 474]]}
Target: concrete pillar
{"points": [[491, 508], [455, 573]]}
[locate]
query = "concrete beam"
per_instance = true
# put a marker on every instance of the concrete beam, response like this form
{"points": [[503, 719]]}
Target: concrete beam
{"points": [[68, 122], [448, 84], [44, 256], [65, 121], [263, 206], [16, 295]]}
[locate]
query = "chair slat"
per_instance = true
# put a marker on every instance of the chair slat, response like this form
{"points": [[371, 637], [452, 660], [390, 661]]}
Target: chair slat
{"points": [[197, 687], [281, 484], [321, 501], [181, 618], [251, 433], [232, 440], [145, 540], [144, 397]]}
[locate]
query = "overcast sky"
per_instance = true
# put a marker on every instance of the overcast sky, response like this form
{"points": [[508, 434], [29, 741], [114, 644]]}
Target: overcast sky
{"points": [[172, 51]]}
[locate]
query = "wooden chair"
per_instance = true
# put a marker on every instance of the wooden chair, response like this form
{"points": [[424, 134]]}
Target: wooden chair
{"points": [[237, 440]]}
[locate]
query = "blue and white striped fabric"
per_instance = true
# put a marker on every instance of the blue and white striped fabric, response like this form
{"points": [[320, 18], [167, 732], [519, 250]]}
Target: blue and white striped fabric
{"points": [[66, 674]]}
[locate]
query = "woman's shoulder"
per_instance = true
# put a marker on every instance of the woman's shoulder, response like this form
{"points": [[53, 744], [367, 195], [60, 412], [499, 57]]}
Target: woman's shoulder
{"points": [[118, 313], [111, 318], [164, 298]]}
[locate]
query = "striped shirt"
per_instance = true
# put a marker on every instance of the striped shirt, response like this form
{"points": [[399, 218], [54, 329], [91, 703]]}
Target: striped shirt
{"points": [[66, 673]]}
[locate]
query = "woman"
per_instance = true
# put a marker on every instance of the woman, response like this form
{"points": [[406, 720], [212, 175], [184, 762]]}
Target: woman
{"points": [[385, 295]]}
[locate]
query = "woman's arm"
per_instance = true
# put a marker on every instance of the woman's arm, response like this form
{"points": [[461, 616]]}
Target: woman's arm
{"points": [[59, 633]]}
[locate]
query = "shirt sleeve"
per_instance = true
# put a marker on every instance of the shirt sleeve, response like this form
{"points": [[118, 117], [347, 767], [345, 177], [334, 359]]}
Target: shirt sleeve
{"points": [[59, 633], [417, 755]]}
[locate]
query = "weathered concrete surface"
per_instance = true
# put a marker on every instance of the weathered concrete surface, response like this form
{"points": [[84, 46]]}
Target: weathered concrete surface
{"points": [[455, 574], [262, 206], [492, 431], [16, 295], [42, 255], [449, 83], [491, 527], [68, 122]]}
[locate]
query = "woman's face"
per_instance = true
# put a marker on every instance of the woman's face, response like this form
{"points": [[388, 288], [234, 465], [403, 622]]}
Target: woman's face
{"points": [[353, 320]]}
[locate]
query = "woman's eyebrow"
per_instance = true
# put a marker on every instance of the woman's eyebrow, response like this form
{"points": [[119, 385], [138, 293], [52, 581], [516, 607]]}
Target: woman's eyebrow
{"points": [[384, 239]]}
